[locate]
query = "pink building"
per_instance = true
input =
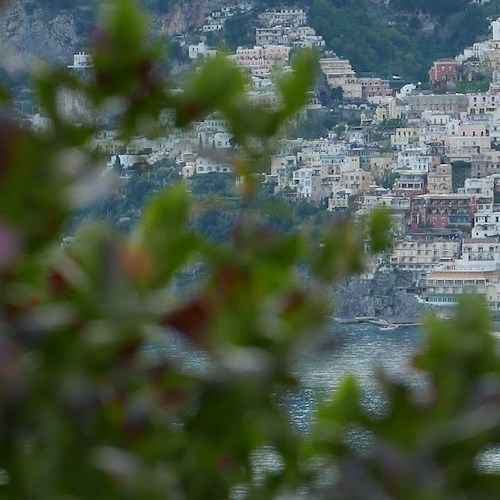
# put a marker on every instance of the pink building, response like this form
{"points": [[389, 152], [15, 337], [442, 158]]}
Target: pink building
{"points": [[442, 210], [375, 87]]}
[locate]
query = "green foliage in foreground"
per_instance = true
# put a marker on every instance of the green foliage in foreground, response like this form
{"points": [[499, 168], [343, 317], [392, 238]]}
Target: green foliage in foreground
{"points": [[87, 410]]}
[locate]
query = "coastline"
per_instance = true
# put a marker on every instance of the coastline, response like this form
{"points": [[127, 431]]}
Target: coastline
{"points": [[384, 324], [383, 300]]}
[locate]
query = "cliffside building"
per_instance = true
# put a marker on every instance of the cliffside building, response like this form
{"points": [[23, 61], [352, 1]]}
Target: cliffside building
{"points": [[477, 271], [420, 256], [442, 72], [339, 73], [81, 60], [439, 179], [442, 210]]}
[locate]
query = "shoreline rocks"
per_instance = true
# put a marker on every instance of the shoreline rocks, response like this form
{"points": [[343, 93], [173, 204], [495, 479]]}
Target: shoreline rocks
{"points": [[382, 299]]}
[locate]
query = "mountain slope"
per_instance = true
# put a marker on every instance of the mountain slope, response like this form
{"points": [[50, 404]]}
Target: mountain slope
{"points": [[402, 37], [382, 37], [55, 29]]}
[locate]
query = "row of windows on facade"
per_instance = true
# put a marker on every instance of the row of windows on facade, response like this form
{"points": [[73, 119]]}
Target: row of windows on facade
{"points": [[213, 169], [451, 300], [484, 98], [472, 281], [468, 249], [482, 134], [448, 202]]}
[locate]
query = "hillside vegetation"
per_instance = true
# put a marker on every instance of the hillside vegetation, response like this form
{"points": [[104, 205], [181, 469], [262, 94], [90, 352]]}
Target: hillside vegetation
{"points": [[403, 37]]}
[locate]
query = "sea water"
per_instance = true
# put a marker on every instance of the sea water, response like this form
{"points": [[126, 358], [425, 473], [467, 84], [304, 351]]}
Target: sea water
{"points": [[359, 349]]}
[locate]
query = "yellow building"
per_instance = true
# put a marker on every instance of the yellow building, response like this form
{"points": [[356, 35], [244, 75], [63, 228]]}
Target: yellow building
{"points": [[477, 271], [444, 287], [423, 255], [404, 138]]}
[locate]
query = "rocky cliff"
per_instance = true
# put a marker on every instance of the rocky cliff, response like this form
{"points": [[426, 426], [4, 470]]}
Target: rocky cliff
{"points": [[184, 15], [55, 30], [28, 29], [380, 297], [377, 36]]}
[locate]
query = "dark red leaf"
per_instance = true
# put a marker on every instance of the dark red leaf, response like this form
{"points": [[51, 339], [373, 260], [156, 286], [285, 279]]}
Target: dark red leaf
{"points": [[191, 319]]}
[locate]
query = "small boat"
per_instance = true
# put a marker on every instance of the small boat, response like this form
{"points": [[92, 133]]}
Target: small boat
{"points": [[390, 327]]}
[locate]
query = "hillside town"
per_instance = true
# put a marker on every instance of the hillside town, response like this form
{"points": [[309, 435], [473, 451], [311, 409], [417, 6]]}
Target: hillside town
{"points": [[432, 156]]}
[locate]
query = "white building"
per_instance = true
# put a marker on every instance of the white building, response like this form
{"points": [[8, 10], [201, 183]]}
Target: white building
{"points": [[81, 60], [213, 24], [480, 254], [467, 139], [495, 30], [486, 225], [415, 160], [483, 103], [283, 17], [475, 51], [381, 197], [339, 198], [302, 182], [207, 165], [200, 50], [126, 160], [483, 190], [435, 118]]}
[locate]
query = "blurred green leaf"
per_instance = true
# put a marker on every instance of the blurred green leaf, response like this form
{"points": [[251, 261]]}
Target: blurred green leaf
{"points": [[294, 88], [379, 226], [216, 85], [91, 372]]}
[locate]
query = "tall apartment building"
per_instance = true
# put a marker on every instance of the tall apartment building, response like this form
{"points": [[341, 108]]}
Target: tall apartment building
{"points": [[483, 103], [477, 271], [339, 73], [442, 210], [486, 225], [419, 256], [439, 179]]}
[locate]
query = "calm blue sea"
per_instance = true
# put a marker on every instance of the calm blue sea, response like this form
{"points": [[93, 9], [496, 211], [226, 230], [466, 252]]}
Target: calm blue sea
{"points": [[360, 350], [357, 349]]}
